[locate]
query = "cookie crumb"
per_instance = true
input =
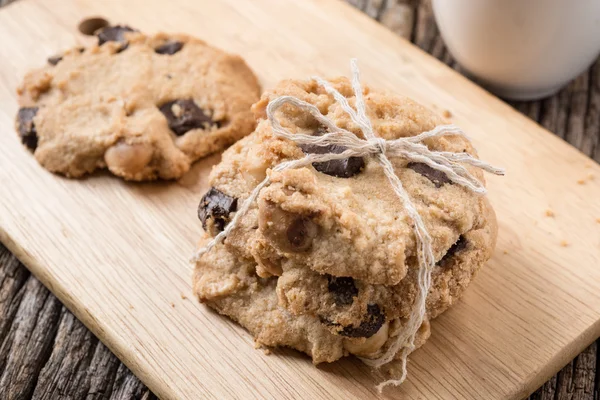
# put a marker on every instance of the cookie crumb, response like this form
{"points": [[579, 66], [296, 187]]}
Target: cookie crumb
{"points": [[183, 296], [590, 177], [581, 181], [598, 220], [564, 243], [505, 252], [549, 213], [446, 114], [173, 305], [266, 351], [131, 307]]}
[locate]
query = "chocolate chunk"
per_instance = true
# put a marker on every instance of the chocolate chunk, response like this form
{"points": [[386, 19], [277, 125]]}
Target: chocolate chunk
{"points": [[114, 34], [171, 47], [300, 233], [26, 126], [287, 231], [369, 326], [343, 289], [185, 115], [90, 26], [216, 205], [344, 168], [460, 245], [55, 59], [437, 177]]}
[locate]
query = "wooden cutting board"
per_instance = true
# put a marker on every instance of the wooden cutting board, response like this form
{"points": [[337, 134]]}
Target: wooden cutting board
{"points": [[116, 253]]}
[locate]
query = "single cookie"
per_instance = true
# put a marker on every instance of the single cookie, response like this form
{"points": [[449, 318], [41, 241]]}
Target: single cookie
{"points": [[145, 107], [232, 287], [334, 237]]}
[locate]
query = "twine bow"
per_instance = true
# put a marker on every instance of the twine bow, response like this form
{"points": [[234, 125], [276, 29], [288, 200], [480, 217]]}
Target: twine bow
{"points": [[408, 148]]}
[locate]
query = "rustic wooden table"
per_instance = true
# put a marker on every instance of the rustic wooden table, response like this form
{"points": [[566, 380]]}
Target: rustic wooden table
{"points": [[46, 353]]}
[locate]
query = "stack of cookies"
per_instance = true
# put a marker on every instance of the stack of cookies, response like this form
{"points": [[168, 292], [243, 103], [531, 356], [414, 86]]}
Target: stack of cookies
{"points": [[326, 259]]}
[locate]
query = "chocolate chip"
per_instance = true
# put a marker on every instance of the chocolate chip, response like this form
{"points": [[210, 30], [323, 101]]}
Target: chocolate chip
{"points": [[55, 59], [216, 205], [90, 26], [171, 47], [437, 177], [300, 233], [185, 115], [287, 231], [343, 289], [26, 126], [344, 168], [460, 245], [114, 34], [369, 326]]}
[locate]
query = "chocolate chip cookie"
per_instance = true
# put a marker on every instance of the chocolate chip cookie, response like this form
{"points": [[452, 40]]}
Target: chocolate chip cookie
{"points": [[231, 286], [332, 241], [145, 107]]}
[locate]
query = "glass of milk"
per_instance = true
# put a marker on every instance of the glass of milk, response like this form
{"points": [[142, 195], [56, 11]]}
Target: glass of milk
{"points": [[521, 49]]}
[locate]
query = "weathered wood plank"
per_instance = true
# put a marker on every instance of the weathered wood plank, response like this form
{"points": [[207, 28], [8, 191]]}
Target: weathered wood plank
{"points": [[102, 371], [28, 344], [590, 142], [127, 386], [66, 371], [46, 353], [12, 279]]}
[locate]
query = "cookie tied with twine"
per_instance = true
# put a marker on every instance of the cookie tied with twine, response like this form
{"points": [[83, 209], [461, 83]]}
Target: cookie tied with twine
{"points": [[409, 148]]}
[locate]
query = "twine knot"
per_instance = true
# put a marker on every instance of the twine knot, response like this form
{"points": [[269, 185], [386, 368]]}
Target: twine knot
{"points": [[409, 148], [379, 143]]}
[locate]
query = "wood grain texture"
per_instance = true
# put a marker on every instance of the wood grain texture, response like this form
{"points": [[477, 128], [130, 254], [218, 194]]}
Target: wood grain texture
{"points": [[377, 9], [46, 353]]}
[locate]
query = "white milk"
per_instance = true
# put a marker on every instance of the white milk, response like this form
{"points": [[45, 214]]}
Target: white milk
{"points": [[521, 49]]}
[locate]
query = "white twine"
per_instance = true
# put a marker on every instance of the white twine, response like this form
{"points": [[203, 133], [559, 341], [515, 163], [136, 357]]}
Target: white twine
{"points": [[409, 148]]}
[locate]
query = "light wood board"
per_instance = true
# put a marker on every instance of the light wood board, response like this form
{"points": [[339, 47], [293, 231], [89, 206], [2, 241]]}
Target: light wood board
{"points": [[116, 253]]}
